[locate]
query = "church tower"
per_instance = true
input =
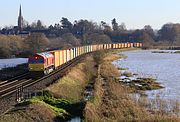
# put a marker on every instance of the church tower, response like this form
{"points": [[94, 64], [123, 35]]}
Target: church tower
{"points": [[20, 20]]}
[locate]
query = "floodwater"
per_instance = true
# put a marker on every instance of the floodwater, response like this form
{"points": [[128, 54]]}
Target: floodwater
{"points": [[4, 63], [165, 67], [76, 119]]}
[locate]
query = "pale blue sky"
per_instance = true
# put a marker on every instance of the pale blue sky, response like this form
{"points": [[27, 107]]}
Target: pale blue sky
{"points": [[135, 13]]}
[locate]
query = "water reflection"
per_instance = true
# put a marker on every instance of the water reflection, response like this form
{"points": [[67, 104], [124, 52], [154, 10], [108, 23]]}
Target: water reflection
{"points": [[4, 63], [76, 119]]}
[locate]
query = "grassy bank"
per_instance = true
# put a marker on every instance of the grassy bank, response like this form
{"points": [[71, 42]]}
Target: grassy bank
{"points": [[41, 108], [73, 84], [114, 101], [65, 98]]}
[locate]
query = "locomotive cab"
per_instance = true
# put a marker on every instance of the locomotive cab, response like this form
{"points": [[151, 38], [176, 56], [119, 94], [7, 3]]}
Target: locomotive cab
{"points": [[41, 64]]}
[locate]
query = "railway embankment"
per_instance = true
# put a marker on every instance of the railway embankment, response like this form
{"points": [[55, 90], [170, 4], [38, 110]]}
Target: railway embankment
{"points": [[94, 91], [65, 98]]}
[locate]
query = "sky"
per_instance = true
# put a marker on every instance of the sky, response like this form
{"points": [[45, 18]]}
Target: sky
{"points": [[134, 13]]}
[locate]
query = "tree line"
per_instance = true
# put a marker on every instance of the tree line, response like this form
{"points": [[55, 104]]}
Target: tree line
{"points": [[65, 34]]}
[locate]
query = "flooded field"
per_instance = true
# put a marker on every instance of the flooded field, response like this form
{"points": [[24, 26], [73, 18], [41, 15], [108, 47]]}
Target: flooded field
{"points": [[4, 63], [165, 67]]}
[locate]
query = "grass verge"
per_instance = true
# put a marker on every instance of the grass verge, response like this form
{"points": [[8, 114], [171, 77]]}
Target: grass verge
{"points": [[72, 85]]}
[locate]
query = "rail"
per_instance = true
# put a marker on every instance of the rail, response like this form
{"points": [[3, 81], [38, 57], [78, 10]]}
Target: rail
{"points": [[10, 86]]}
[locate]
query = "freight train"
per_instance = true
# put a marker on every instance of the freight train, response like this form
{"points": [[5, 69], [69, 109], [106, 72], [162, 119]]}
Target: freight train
{"points": [[46, 62]]}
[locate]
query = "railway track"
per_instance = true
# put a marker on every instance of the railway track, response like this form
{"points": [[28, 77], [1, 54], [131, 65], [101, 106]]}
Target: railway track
{"points": [[10, 86], [23, 81], [9, 90], [12, 79]]}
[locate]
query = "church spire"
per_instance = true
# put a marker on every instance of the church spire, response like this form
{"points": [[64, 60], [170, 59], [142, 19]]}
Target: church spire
{"points": [[20, 20], [20, 14]]}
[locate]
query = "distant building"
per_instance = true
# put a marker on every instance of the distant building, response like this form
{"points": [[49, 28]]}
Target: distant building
{"points": [[21, 29], [20, 20], [21, 32]]}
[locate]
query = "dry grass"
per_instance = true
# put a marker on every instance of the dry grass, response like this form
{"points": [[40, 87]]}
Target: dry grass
{"points": [[72, 85], [113, 102], [109, 70], [92, 110], [112, 57], [37, 112], [119, 106]]}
